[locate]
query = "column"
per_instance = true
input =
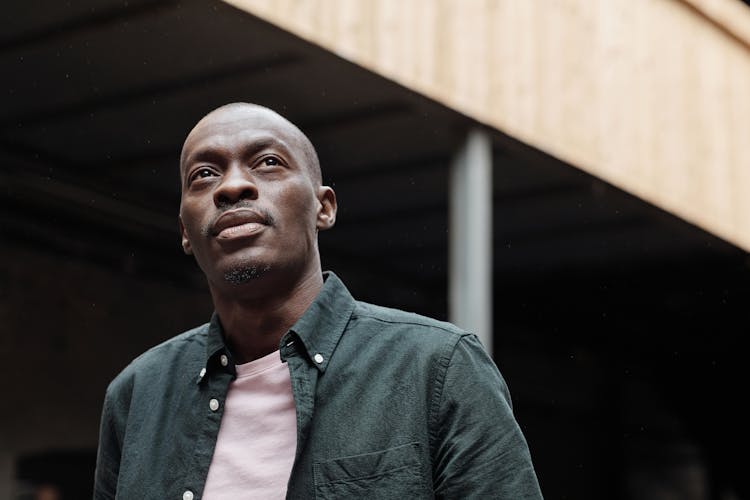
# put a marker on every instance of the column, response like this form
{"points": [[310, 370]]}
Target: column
{"points": [[470, 237]]}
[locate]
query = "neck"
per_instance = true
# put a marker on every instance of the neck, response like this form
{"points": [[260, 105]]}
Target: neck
{"points": [[254, 322]]}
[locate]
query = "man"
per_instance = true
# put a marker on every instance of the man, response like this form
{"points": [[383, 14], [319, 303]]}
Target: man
{"points": [[294, 388]]}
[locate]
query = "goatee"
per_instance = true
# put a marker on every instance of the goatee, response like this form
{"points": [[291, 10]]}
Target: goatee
{"points": [[242, 275]]}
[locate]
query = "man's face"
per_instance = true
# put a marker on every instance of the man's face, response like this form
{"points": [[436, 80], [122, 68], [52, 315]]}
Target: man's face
{"points": [[249, 202]]}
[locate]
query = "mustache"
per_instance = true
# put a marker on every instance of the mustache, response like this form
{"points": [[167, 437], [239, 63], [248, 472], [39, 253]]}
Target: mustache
{"points": [[266, 217]]}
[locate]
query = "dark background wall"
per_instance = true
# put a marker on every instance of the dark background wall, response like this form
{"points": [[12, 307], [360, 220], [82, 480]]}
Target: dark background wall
{"points": [[68, 327]]}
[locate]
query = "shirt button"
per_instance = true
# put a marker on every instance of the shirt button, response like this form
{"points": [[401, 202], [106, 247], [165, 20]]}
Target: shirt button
{"points": [[214, 405], [318, 358], [203, 373], [224, 360], [188, 495]]}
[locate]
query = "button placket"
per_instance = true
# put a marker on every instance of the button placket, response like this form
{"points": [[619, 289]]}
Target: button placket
{"points": [[211, 394]]}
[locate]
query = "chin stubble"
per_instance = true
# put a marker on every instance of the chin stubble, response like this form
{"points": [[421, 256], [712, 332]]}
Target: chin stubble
{"points": [[241, 275]]}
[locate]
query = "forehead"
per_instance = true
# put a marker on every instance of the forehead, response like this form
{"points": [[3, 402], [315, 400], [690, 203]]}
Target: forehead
{"points": [[236, 128]]}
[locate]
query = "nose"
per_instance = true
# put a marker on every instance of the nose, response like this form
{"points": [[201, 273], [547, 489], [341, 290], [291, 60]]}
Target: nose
{"points": [[236, 184]]}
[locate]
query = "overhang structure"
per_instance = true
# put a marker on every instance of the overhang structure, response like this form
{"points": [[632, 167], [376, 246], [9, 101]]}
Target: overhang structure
{"points": [[652, 96]]}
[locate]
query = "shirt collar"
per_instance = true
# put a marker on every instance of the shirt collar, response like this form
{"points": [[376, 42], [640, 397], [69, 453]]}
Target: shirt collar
{"points": [[217, 353], [321, 326], [215, 343], [318, 329]]}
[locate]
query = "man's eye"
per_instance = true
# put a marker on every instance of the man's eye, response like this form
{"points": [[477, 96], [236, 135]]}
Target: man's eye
{"points": [[271, 161], [202, 173]]}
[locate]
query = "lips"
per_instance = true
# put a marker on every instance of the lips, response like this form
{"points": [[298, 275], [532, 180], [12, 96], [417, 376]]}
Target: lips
{"points": [[238, 223]]}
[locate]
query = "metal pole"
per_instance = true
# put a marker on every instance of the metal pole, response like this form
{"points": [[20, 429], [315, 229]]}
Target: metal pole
{"points": [[470, 237]]}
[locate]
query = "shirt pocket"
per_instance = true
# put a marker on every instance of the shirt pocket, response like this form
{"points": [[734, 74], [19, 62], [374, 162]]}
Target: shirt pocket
{"points": [[392, 473]]}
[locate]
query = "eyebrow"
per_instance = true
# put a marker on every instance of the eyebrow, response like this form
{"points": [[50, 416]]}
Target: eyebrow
{"points": [[215, 154]]}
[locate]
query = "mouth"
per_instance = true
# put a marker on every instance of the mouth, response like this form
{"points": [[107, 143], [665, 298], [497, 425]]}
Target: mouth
{"points": [[238, 223]]}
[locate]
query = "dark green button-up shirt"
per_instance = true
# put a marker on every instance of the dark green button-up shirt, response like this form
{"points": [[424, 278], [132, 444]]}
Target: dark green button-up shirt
{"points": [[389, 405]]}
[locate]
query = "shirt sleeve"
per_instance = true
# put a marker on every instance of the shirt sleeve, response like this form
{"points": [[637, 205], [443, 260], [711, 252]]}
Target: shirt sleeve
{"points": [[110, 444], [479, 450]]}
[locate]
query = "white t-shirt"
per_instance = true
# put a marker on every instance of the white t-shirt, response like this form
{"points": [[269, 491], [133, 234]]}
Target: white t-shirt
{"points": [[257, 439]]}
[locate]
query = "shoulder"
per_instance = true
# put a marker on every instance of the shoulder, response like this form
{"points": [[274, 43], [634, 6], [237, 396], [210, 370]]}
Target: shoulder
{"points": [[409, 327], [161, 358], [386, 315], [421, 337]]}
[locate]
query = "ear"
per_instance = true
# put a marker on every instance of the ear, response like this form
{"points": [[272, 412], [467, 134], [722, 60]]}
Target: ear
{"points": [[185, 241], [327, 208]]}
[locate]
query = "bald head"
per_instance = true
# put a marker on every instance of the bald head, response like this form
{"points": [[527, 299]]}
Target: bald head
{"points": [[255, 117]]}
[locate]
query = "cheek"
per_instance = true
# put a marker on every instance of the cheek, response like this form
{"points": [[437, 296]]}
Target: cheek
{"points": [[299, 207], [191, 224], [195, 213]]}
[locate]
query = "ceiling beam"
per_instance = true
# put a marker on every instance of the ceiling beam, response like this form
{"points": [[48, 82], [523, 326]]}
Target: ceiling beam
{"points": [[133, 95], [98, 18]]}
